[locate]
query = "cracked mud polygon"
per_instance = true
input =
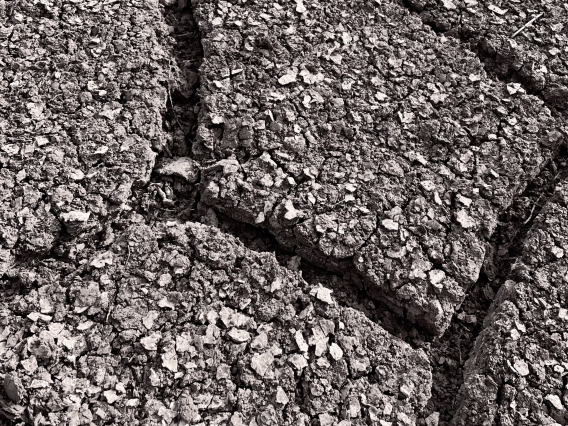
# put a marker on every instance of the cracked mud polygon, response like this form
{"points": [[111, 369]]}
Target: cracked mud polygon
{"points": [[283, 213]]}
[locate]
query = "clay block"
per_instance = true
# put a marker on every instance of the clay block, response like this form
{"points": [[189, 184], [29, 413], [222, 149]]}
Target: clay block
{"points": [[516, 373], [359, 137], [181, 322], [81, 105], [536, 56]]}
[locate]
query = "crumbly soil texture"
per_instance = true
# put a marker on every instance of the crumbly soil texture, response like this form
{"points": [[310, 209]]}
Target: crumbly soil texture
{"points": [[251, 213]]}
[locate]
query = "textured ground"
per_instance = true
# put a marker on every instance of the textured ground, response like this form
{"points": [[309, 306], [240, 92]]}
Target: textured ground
{"points": [[182, 321], [282, 213]]}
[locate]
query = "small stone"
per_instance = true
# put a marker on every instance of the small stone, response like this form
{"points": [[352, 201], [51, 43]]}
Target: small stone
{"points": [[238, 336], [223, 371], [183, 342], [555, 401], [261, 363], [281, 396], [298, 361], [557, 252], [75, 216], [335, 351], [433, 419], [390, 224], [521, 367], [149, 319], [14, 387], [276, 285], [150, 343], [380, 96], [438, 98], [301, 342], [291, 212], [323, 294], [287, 79], [464, 200], [134, 402], [326, 420], [30, 364], [465, 220], [110, 396], [403, 418], [237, 420], [436, 276], [406, 390], [164, 302], [260, 341], [167, 415], [231, 318], [515, 335], [76, 174], [300, 8], [164, 280], [497, 9], [170, 361], [154, 378], [102, 260], [353, 407]]}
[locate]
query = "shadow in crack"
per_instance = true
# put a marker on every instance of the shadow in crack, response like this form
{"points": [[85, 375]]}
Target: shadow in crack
{"points": [[174, 195]]}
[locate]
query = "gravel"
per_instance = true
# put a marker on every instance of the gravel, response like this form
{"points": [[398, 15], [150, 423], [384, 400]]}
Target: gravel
{"points": [[364, 140]]}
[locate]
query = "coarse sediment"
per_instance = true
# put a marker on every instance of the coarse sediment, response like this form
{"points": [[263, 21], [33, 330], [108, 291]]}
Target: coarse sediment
{"points": [[524, 42]]}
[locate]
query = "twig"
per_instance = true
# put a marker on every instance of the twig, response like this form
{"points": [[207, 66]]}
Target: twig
{"points": [[532, 210], [170, 95], [528, 24]]}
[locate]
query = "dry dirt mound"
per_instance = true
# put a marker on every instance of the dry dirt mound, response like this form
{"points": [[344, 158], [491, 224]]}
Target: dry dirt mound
{"points": [[365, 141]]}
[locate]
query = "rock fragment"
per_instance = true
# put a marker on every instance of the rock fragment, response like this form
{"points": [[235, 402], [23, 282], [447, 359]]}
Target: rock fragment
{"points": [[183, 167]]}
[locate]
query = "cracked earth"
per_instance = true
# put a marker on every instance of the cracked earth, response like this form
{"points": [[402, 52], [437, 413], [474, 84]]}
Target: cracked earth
{"points": [[252, 213]]}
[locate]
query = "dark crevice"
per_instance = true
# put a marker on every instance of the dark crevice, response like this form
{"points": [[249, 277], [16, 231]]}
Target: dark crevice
{"points": [[170, 197]]}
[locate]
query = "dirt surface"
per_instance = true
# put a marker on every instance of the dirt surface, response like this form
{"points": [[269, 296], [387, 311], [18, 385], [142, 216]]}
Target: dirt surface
{"points": [[180, 242], [81, 104], [522, 41]]}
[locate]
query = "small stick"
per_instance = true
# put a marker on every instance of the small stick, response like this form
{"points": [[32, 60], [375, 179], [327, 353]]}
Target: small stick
{"points": [[528, 24], [532, 210], [170, 95]]}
